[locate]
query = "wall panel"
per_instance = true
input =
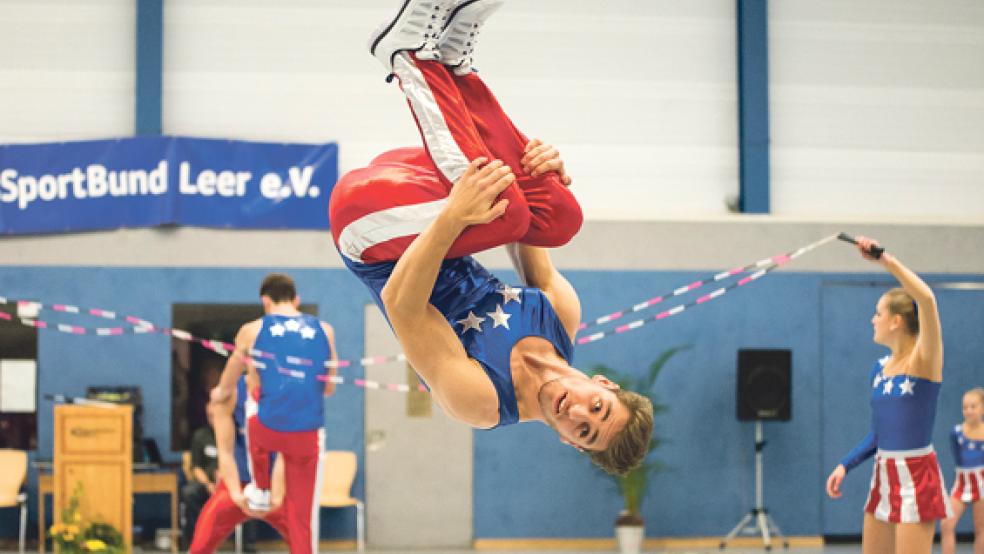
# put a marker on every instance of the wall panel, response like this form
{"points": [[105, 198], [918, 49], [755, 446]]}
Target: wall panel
{"points": [[66, 69]]}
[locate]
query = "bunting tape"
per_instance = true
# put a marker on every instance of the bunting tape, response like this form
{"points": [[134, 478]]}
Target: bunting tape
{"points": [[135, 325], [769, 264], [679, 291], [258, 358]]}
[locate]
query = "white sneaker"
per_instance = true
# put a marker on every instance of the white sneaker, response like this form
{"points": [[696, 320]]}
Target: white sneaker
{"points": [[257, 499], [416, 27], [457, 42]]}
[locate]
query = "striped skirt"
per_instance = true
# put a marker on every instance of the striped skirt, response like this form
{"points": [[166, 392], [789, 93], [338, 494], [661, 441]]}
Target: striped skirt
{"points": [[969, 483], [907, 487]]}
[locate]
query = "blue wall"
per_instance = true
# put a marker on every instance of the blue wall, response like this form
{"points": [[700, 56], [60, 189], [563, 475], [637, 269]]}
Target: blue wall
{"points": [[526, 483], [68, 364]]}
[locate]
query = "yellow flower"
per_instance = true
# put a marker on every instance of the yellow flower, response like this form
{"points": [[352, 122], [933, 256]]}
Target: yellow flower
{"points": [[55, 529], [77, 518], [95, 544], [68, 537], [73, 529]]}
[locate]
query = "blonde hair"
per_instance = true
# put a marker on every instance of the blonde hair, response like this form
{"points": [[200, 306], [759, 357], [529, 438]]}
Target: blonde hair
{"points": [[979, 391], [627, 450], [902, 304]]}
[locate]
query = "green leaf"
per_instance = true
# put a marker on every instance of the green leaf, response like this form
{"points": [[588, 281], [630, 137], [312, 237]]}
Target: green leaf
{"points": [[657, 366]]}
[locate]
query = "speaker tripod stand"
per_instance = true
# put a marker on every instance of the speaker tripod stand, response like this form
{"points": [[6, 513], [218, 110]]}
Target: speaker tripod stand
{"points": [[758, 517]]}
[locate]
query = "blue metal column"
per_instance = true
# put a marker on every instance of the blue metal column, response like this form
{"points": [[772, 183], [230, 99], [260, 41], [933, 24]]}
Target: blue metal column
{"points": [[150, 66], [753, 106]]}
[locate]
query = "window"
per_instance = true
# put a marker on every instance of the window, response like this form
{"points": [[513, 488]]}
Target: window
{"points": [[18, 382]]}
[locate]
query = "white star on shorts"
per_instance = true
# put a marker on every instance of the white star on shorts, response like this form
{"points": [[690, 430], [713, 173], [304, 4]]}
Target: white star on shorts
{"points": [[471, 322], [499, 317], [509, 294], [907, 386], [887, 389]]}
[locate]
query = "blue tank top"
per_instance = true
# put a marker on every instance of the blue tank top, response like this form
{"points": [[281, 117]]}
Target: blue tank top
{"points": [[903, 409], [967, 453], [291, 395], [488, 316]]}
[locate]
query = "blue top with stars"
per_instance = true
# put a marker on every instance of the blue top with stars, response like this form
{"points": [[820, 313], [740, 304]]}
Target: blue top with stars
{"points": [[967, 453], [291, 395], [488, 316], [903, 409]]}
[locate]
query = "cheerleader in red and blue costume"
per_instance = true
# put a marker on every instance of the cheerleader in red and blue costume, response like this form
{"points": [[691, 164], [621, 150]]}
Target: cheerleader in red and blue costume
{"points": [[967, 442], [907, 494]]}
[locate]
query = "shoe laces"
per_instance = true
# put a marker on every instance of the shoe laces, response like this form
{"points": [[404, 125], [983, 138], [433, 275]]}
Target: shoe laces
{"points": [[438, 18], [468, 31]]}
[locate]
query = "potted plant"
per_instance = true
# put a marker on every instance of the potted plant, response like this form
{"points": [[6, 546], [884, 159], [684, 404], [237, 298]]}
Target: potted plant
{"points": [[629, 525], [74, 536]]}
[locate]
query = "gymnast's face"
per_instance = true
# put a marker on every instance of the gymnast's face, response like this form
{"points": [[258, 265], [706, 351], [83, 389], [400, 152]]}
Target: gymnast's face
{"points": [[882, 322], [584, 412], [973, 410]]}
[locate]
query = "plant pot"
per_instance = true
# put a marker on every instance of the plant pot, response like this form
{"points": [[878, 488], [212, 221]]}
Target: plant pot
{"points": [[630, 538]]}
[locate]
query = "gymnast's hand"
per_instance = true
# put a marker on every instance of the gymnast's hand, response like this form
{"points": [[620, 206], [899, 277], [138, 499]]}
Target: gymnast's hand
{"points": [[539, 158], [834, 481], [472, 199], [239, 499], [865, 245]]}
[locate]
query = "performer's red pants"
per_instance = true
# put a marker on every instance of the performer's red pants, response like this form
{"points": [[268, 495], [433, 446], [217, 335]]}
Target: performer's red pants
{"points": [[376, 211]]}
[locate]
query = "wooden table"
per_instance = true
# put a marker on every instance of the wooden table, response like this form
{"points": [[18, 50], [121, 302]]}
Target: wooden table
{"points": [[144, 482]]}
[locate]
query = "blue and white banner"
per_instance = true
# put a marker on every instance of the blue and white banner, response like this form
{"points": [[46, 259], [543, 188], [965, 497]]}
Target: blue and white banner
{"points": [[147, 181]]}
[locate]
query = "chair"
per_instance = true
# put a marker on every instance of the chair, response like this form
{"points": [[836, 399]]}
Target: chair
{"points": [[13, 474], [239, 538], [338, 469]]}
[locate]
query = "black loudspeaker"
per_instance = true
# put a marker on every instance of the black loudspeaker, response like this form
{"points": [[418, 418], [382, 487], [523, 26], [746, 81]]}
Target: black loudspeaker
{"points": [[764, 384]]}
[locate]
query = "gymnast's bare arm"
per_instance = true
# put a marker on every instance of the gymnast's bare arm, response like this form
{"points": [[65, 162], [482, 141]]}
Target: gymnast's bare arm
{"points": [[457, 382], [927, 355], [225, 443], [237, 362], [533, 264], [536, 270]]}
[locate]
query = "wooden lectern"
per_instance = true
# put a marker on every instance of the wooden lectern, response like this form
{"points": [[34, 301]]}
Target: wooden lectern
{"points": [[93, 446]]}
